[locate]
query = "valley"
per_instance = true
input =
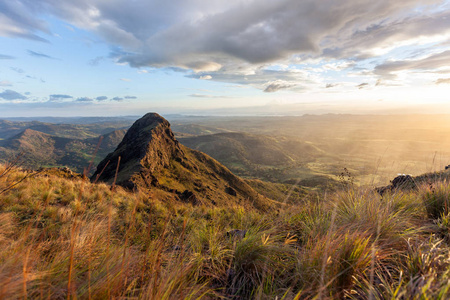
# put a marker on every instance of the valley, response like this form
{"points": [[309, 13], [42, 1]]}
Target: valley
{"points": [[311, 151]]}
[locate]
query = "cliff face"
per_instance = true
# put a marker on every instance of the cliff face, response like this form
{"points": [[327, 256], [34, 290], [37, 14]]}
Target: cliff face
{"points": [[152, 159]]}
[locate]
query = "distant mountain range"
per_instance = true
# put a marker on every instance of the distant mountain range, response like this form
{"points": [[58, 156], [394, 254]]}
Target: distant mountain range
{"points": [[39, 149], [253, 156]]}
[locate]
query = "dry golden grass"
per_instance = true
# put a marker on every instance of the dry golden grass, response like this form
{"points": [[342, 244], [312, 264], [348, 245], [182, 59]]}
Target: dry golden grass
{"points": [[67, 238]]}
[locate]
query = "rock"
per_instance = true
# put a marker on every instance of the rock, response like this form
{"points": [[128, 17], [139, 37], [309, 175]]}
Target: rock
{"points": [[147, 147], [403, 181], [400, 182], [189, 196], [149, 157], [230, 191]]}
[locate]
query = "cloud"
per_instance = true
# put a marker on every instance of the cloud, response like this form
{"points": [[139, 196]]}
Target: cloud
{"points": [[38, 54], [130, 97], [236, 41], [362, 85], [101, 98], [19, 19], [59, 97], [260, 78], [5, 83], [200, 35], [443, 81], [277, 85], [206, 96], [331, 85], [18, 70], [4, 56], [96, 61], [435, 61], [12, 95], [117, 99], [84, 99]]}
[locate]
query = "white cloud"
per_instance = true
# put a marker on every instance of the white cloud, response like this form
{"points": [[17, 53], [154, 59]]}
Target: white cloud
{"points": [[235, 41], [12, 95], [443, 81], [390, 68], [5, 83]]}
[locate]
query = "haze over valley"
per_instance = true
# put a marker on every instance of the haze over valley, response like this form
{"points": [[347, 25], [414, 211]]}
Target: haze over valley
{"points": [[310, 150]]}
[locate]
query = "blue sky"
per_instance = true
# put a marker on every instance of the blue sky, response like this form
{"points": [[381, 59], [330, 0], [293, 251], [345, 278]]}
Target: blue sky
{"points": [[128, 57]]}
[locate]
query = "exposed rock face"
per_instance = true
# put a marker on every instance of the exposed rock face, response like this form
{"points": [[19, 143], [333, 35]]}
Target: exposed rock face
{"points": [[151, 158], [147, 147]]}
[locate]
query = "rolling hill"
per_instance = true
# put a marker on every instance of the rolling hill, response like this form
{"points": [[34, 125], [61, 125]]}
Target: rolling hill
{"points": [[38, 149]]}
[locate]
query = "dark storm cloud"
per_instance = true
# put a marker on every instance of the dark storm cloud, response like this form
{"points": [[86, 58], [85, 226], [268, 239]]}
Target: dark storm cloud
{"points": [[12, 95]]}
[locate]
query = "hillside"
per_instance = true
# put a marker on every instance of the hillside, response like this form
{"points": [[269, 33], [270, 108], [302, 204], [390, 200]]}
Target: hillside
{"points": [[8, 129], [271, 158], [151, 157], [68, 238], [38, 149]]}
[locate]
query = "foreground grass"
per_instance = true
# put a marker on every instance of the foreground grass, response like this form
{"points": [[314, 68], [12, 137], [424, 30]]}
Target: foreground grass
{"points": [[66, 238]]}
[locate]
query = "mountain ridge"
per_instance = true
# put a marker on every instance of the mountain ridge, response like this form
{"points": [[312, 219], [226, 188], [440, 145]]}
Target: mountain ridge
{"points": [[151, 158]]}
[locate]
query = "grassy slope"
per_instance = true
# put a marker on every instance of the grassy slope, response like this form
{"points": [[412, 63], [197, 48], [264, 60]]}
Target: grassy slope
{"points": [[41, 149], [9, 129], [269, 158], [373, 148], [61, 238]]}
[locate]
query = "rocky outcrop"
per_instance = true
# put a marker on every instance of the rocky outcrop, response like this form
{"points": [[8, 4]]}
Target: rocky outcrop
{"points": [[147, 147], [152, 159], [400, 182]]}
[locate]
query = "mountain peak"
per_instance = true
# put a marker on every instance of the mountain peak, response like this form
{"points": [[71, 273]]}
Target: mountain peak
{"points": [[147, 146], [151, 158]]}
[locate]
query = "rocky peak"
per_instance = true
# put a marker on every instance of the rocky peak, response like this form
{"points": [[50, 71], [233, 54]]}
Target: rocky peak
{"points": [[151, 158], [148, 146]]}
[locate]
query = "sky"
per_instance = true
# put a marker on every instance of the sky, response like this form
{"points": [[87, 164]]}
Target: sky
{"points": [[129, 57]]}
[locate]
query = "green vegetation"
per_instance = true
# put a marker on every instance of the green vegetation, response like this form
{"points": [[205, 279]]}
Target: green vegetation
{"points": [[68, 238], [373, 148], [312, 149], [38, 149]]}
